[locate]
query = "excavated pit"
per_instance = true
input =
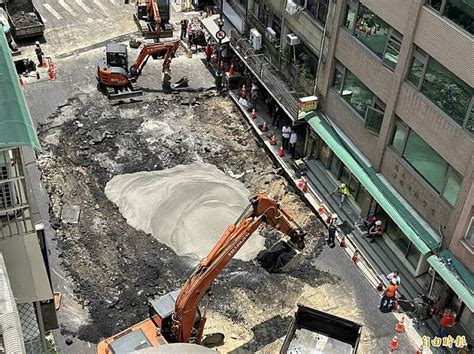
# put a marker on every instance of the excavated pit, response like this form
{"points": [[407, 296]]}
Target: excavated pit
{"points": [[187, 207]]}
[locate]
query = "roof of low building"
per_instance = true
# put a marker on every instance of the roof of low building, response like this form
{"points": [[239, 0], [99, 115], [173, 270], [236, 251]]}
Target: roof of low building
{"points": [[16, 126]]}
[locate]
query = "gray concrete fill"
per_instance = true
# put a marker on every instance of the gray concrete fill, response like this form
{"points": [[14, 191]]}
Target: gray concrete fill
{"points": [[187, 207]]}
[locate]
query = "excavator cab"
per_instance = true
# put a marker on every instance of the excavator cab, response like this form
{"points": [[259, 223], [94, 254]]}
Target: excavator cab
{"points": [[116, 55]]}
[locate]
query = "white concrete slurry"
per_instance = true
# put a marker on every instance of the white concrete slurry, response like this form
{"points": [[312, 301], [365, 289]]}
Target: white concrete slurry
{"points": [[187, 208]]}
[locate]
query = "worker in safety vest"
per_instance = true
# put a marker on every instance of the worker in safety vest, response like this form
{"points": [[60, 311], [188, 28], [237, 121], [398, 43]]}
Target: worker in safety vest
{"points": [[344, 192]]}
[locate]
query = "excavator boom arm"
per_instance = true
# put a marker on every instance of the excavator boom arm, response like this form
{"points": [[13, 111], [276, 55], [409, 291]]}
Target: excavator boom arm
{"points": [[262, 209], [165, 50]]}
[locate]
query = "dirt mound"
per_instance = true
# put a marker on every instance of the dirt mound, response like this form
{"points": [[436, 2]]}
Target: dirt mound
{"points": [[187, 207]]}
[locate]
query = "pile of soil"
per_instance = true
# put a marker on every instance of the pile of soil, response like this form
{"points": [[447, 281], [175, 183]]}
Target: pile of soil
{"points": [[117, 269]]}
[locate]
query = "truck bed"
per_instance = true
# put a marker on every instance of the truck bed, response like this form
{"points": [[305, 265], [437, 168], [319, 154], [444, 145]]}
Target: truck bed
{"points": [[25, 19], [313, 331]]}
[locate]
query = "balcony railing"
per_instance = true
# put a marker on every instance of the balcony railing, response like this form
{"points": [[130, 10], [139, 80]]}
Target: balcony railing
{"points": [[15, 216], [265, 71]]}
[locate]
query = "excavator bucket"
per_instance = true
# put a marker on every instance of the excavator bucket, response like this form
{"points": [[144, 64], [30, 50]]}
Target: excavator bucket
{"points": [[183, 82], [281, 257]]}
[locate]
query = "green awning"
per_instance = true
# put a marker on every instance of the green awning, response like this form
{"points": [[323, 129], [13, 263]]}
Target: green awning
{"points": [[455, 275], [16, 126], [372, 181]]}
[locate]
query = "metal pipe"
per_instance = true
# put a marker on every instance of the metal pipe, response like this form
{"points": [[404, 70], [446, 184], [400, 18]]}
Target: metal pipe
{"points": [[321, 53], [9, 318]]}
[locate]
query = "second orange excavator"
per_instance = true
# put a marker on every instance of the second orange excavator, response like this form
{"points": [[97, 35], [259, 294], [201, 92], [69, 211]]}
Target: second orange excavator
{"points": [[176, 317], [116, 78]]}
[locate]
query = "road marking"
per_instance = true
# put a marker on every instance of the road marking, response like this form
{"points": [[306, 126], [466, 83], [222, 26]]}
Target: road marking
{"points": [[83, 6], [66, 7], [53, 11], [113, 2], [102, 7]]}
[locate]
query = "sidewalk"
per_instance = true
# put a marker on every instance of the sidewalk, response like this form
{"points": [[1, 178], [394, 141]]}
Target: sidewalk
{"points": [[322, 209]]}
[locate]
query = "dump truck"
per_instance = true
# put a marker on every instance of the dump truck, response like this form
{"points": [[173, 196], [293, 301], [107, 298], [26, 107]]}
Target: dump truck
{"points": [[313, 331], [24, 19]]}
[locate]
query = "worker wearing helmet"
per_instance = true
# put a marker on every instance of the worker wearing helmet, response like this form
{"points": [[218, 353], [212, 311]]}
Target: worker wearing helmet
{"points": [[39, 53], [375, 231], [343, 191]]}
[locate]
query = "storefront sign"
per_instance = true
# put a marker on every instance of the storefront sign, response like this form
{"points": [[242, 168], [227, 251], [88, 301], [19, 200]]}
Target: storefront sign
{"points": [[307, 105]]}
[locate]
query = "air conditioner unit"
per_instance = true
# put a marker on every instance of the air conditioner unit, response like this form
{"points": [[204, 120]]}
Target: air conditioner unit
{"points": [[291, 8], [271, 34], [255, 39], [291, 39]]}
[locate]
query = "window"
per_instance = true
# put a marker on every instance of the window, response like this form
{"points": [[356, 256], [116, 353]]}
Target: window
{"points": [[359, 97], [318, 9], [470, 233], [392, 50], [443, 88], [374, 33], [306, 61], [426, 162], [460, 12], [262, 12], [276, 25]]}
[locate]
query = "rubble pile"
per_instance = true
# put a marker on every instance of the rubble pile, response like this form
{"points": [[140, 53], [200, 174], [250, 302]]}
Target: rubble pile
{"points": [[116, 268], [25, 19]]}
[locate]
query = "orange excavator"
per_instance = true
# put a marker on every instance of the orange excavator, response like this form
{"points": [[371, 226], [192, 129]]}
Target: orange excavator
{"points": [[116, 79], [175, 317], [153, 18]]}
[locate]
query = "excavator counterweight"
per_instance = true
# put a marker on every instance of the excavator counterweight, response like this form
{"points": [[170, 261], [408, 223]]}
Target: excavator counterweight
{"points": [[176, 316]]}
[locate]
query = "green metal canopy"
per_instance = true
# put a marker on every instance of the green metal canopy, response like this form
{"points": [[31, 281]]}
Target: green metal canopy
{"points": [[372, 181], [16, 126], [455, 275]]}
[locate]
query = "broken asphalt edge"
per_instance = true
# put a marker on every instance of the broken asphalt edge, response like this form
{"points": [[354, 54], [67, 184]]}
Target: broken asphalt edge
{"points": [[314, 202]]}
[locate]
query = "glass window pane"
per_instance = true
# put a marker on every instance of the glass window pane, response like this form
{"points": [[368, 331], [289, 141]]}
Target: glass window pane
{"points": [[361, 194], [322, 11], [461, 13], [356, 93], [425, 161], [413, 255], [371, 30], [415, 72], [435, 4], [350, 18], [373, 120], [398, 138], [453, 185], [470, 233], [306, 61], [391, 53], [337, 81], [345, 176], [447, 91]]}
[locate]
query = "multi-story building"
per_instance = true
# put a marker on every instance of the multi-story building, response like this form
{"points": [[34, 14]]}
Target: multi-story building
{"points": [[395, 122], [22, 243]]}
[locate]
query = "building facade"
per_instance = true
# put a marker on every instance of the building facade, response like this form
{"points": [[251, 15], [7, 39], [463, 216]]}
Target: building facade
{"points": [[396, 120]]}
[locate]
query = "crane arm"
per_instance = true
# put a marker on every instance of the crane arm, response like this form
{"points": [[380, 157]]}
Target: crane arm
{"points": [[165, 50], [154, 12], [261, 209]]}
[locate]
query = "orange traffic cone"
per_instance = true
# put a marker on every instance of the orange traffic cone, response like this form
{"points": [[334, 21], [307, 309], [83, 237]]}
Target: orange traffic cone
{"points": [[321, 210], [264, 127], [254, 114], [22, 81], [281, 152], [231, 70], [355, 257], [394, 343], [302, 185], [52, 74], [273, 140], [343, 242], [400, 326]]}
